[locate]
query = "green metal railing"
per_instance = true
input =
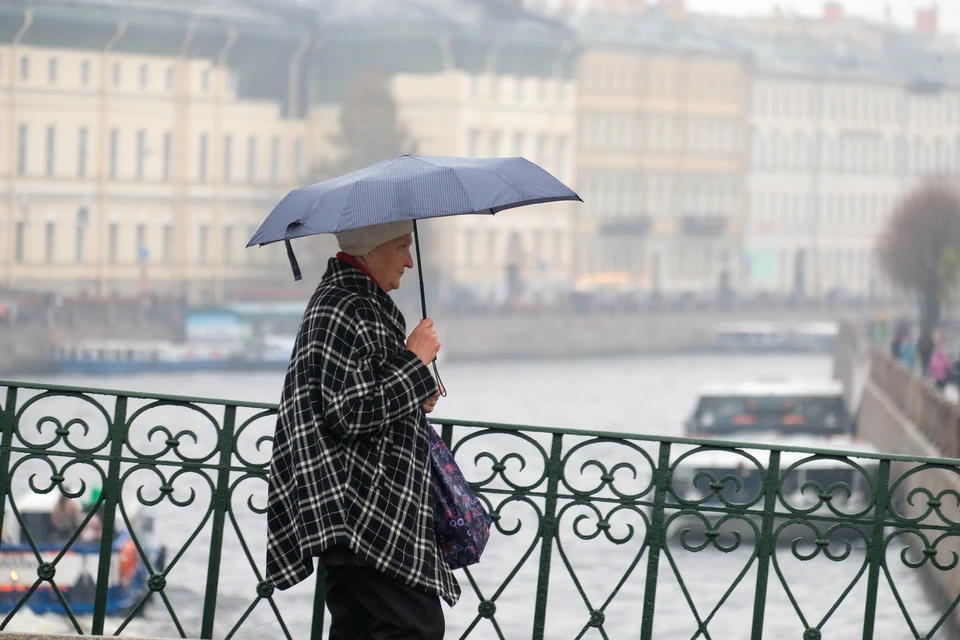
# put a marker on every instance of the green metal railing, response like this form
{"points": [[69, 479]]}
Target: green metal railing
{"points": [[596, 534]]}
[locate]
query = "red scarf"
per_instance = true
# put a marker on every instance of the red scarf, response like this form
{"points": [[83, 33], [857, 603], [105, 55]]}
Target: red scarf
{"points": [[353, 262]]}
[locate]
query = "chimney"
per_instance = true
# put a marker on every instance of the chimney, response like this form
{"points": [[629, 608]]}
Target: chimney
{"points": [[928, 21], [832, 12]]}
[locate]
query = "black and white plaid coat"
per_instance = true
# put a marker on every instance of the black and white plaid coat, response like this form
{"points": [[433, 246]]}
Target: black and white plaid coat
{"points": [[350, 464]]}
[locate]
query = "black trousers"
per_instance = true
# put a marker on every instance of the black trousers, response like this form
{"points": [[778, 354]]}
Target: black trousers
{"points": [[364, 604]]}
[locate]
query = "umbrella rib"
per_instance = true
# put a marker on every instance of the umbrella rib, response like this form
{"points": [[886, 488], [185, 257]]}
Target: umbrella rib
{"points": [[457, 177]]}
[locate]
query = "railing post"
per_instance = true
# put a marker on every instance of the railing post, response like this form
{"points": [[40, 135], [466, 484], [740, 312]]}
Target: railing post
{"points": [[765, 545], [8, 418], [112, 489], [655, 536], [875, 550], [220, 502], [548, 529]]}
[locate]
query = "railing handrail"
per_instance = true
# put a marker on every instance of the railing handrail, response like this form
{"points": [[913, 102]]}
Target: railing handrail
{"points": [[509, 427], [578, 486]]}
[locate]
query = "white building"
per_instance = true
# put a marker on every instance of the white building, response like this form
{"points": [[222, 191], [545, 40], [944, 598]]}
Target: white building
{"points": [[838, 135]]}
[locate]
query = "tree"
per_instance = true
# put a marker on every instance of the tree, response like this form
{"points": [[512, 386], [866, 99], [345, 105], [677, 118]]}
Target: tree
{"points": [[369, 128], [920, 251]]}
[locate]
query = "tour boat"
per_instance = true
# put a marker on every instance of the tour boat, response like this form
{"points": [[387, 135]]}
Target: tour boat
{"points": [[776, 337], [781, 414], [120, 357]]}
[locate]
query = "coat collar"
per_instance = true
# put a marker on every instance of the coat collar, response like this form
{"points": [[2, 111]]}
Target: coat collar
{"points": [[345, 275]]}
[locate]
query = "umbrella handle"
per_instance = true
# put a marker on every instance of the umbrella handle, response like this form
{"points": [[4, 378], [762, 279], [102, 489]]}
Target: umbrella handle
{"points": [[423, 302]]}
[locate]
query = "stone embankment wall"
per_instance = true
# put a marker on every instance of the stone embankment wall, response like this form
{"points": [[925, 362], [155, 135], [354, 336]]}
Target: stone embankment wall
{"points": [[903, 414]]}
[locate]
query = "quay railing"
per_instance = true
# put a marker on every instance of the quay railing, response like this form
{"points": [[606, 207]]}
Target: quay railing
{"points": [[596, 534]]}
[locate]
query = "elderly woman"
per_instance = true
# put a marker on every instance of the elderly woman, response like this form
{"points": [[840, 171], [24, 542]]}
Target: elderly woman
{"points": [[350, 473]]}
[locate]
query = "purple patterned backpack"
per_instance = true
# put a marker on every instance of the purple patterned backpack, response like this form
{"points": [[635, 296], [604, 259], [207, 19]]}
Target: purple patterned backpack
{"points": [[461, 523]]}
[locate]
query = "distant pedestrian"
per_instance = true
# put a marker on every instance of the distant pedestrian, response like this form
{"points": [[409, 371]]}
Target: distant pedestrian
{"points": [[939, 368], [907, 352]]}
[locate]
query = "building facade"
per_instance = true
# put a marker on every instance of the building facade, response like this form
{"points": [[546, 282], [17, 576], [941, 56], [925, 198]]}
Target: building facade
{"points": [[839, 136], [136, 159], [503, 89], [661, 156]]}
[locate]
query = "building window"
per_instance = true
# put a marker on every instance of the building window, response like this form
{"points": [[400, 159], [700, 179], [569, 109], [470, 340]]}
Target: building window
{"points": [[519, 88], [141, 154], [113, 242], [557, 248], [473, 144], [22, 150], [21, 233], [48, 242], [538, 246], [299, 158], [543, 90], [541, 149], [275, 160], [227, 157], [468, 247], [85, 73], [167, 243], [144, 76], [142, 242], [167, 155], [82, 144], [494, 144], [114, 153], [228, 245], [24, 68], [561, 164], [116, 74], [518, 144], [205, 80], [202, 158], [252, 159], [170, 78], [202, 244], [51, 149], [52, 70], [82, 220]]}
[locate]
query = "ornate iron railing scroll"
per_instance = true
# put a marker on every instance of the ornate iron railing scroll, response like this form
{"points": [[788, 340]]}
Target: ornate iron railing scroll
{"points": [[596, 534]]}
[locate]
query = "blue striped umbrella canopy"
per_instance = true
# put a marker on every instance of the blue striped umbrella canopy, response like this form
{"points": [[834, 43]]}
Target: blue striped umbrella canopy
{"points": [[410, 188]]}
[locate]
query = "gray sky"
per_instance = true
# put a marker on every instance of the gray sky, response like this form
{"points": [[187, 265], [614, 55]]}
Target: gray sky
{"points": [[902, 10]]}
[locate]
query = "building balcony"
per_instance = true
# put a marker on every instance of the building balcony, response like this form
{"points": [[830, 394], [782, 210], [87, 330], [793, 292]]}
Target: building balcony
{"points": [[632, 226], [704, 226]]}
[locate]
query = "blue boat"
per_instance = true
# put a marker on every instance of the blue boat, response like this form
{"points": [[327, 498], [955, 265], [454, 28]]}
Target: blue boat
{"points": [[119, 357], [76, 570]]}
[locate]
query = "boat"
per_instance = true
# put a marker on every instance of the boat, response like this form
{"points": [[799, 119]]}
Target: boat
{"points": [[776, 337], [803, 414], [77, 569], [122, 357]]}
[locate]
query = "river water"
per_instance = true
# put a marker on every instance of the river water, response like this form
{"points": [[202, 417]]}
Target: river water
{"points": [[647, 395]]}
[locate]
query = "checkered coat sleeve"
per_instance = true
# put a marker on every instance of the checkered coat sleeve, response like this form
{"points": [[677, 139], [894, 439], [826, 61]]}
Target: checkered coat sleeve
{"points": [[350, 463]]}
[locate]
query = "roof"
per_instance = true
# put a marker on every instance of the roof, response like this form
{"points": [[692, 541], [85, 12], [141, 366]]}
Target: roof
{"points": [[653, 31], [774, 388], [482, 19], [241, 12]]}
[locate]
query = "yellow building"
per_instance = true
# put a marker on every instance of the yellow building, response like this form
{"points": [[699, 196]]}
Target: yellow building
{"points": [[661, 155], [499, 95], [145, 161]]}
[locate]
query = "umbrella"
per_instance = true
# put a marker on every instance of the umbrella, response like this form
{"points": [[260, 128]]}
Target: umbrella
{"points": [[408, 187]]}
